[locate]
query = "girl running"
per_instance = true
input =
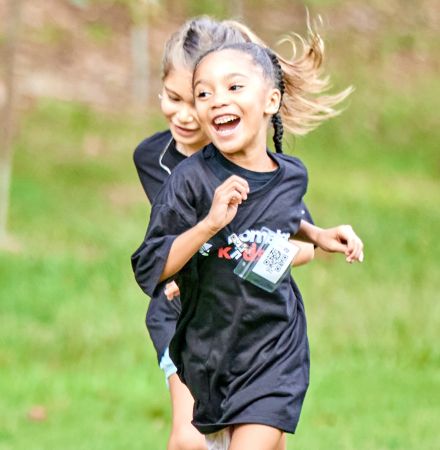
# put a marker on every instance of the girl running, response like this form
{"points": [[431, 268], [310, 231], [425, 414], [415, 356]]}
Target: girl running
{"points": [[240, 348], [155, 158]]}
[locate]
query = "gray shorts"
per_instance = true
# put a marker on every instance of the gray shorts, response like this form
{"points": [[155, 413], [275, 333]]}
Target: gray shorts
{"points": [[219, 440], [167, 366]]}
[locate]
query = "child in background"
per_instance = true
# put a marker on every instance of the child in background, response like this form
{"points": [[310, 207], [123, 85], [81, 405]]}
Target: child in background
{"points": [[241, 350], [158, 155]]}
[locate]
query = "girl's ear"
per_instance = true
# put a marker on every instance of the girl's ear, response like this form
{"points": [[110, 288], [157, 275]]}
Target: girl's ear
{"points": [[273, 101]]}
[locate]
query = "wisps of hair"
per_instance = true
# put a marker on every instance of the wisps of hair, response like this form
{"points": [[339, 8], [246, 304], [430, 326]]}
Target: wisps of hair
{"points": [[305, 104]]}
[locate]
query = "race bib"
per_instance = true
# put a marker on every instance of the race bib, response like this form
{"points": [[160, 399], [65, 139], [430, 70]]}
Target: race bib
{"points": [[273, 264]]}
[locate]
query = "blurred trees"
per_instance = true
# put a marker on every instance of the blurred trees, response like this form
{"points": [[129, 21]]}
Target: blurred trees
{"points": [[142, 12], [7, 109]]}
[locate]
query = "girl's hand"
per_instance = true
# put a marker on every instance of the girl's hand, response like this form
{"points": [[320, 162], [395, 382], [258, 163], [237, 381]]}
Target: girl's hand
{"points": [[171, 290], [227, 197], [341, 239]]}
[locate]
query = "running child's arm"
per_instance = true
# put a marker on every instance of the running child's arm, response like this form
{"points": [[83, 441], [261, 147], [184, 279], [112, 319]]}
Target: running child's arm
{"points": [[306, 253], [224, 207], [340, 239], [175, 232]]}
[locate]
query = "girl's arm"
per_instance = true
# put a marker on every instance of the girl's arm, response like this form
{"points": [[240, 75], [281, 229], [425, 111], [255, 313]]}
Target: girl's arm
{"points": [[185, 246], [224, 207], [174, 233], [340, 239], [305, 255]]}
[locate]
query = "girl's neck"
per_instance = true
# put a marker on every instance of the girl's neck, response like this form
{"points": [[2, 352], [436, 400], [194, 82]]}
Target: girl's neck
{"points": [[189, 149], [255, 159]]}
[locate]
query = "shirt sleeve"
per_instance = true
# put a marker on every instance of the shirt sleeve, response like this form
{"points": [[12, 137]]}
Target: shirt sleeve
{"points": [[173, 213], [148, 171], [306, 213], [138, 160], [161, 320], [149, 260]]}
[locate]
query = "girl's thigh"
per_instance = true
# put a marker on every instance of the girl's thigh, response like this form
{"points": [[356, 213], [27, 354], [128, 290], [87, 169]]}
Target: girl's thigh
{"points": [[256, 437], [184, 436], [283, 442]]}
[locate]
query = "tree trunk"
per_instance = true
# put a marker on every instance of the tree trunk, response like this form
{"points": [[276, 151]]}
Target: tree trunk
{"points": [[7, 110], [140, 61]]}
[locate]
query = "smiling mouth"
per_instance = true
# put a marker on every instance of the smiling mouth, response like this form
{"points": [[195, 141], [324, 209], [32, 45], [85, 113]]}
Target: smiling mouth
{"points": [[226, 124], [186, 130]]}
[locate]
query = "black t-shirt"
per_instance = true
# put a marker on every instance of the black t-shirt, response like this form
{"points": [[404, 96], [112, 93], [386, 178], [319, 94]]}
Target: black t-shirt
{"points": [[242, 351], [226, 168], [155, 158]]}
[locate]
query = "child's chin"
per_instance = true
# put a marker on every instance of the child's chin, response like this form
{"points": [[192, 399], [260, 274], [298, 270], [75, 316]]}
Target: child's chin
{"points": [[228, 150], [225, 146]]}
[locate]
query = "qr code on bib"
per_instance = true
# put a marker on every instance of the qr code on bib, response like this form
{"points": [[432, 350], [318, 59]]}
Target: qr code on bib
{"points": [[275, 261]]}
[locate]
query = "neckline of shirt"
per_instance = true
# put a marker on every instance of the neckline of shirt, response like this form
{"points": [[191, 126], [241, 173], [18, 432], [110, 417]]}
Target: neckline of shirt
{"points": [[209, 152], [242, 171], [173, 150]]}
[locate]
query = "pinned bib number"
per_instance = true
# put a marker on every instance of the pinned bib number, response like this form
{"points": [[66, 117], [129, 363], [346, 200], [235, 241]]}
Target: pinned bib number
{"points": [[268, 270]]}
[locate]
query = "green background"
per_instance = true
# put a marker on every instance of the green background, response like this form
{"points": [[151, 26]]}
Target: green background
{"points": [[72, 338]]}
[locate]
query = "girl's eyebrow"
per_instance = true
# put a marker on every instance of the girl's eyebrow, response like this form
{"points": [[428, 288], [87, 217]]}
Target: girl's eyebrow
{"points": [[171, 91], [226, 77]]}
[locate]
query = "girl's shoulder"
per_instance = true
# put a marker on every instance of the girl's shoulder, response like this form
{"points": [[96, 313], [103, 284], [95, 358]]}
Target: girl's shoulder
{"points": [[292, 164], [192, 169], [150, 148], [186, 187]]}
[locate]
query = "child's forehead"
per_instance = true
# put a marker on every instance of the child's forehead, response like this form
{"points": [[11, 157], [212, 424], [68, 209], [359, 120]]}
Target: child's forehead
{"points": [[226, 61], [177, 72], [227, 54]]}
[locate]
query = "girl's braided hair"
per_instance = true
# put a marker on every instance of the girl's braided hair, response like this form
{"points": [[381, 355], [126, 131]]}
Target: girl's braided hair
{"points": [[276, 118]]}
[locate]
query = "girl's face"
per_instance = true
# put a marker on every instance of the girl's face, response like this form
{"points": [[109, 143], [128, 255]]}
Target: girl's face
{"points": [[234, 101], [177, 104]]}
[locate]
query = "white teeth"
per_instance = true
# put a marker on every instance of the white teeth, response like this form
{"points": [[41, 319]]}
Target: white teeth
{"points": [[224, 119]]}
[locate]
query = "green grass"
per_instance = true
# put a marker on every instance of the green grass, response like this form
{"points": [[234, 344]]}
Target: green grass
{"points": [[72, 336], [374, 327]]}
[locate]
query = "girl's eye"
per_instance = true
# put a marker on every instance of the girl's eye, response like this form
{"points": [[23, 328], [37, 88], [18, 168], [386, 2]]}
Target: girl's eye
{"points": [[235, 87], [202, 94], [174, 99]]}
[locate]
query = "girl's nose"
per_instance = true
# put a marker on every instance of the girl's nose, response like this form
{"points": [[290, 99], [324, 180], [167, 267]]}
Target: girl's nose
{"points": [[186, 115], [219, 99]]}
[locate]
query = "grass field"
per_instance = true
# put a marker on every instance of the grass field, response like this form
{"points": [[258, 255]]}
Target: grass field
{"points": [[74, 351]]}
